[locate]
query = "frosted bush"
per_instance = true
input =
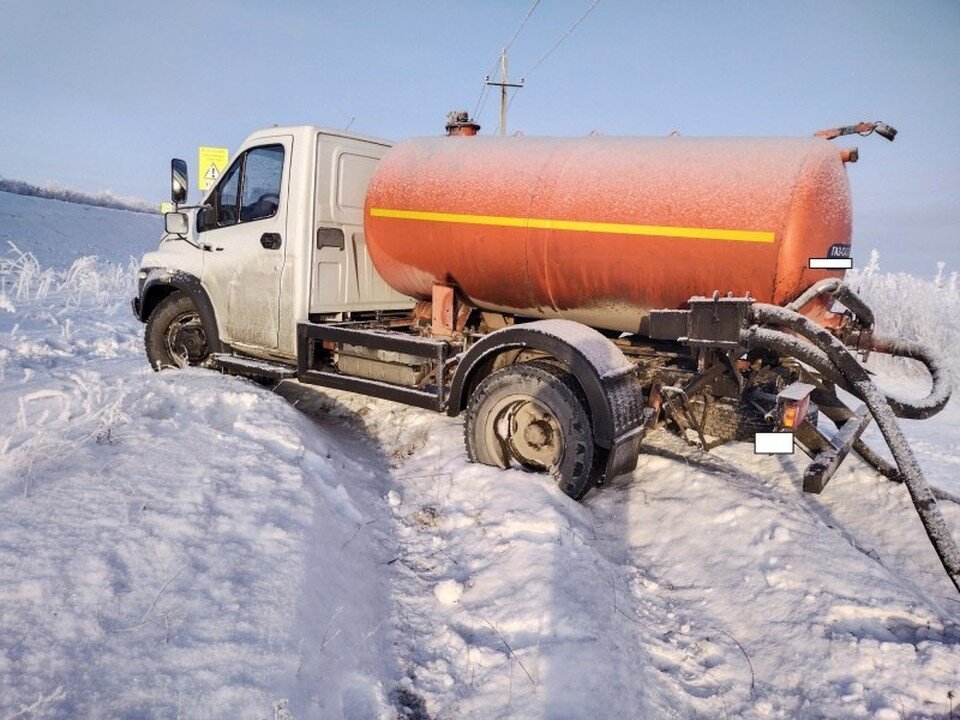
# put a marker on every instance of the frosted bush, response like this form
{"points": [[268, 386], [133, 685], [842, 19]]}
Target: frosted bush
{"points": [[22, 279], [913, 308], [54, 191]]}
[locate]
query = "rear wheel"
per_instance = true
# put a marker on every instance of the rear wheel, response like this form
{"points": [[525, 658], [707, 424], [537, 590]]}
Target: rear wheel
{"points": [[175, 336], [535, 416]]}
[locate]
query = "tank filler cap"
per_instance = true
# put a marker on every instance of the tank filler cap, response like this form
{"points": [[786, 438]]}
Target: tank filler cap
{"points": [[459, 123], [849, 155]]}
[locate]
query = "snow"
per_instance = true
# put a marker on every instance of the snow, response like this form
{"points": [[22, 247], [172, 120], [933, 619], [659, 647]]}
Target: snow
{"points": [[58, 232], [448, 591], [194, 545], [54, 191]]}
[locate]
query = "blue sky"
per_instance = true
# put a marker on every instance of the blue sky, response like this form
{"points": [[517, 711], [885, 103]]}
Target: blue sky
{"points": [[99, 95]]}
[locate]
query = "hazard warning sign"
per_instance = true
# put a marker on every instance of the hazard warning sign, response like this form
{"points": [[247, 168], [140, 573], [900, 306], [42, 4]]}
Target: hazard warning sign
{"points": [[211, 164]]}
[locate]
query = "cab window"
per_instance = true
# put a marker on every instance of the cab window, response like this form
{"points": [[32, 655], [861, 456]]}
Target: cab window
{"points": [[261, 183], [227, 195], [248, 191]]}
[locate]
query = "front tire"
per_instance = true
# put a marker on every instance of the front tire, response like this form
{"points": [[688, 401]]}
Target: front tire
{"points": [[175, 336], [535, 416]]}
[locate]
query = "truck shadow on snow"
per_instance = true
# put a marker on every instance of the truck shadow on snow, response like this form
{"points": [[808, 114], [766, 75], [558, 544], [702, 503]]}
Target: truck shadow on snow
{"points": [[346, 425]]}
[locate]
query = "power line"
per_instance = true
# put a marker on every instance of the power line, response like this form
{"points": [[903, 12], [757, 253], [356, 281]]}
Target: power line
{"points": [[522, 23], [552, 49], [481, 99], [483, 90], [562, 38], [484, 94]]}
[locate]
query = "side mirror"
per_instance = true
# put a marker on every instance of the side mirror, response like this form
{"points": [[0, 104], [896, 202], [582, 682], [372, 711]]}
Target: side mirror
{"points": [[176, 223], [178, 181]]}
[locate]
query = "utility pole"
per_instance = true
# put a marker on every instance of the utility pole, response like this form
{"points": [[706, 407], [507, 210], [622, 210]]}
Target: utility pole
{"points": [[503, 85]]}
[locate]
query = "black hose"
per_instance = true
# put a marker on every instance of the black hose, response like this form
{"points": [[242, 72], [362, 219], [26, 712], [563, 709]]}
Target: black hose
{"points": [[879, 463], [788, 346], [856, 380], [813, 356], [839, 290], [939, 393], [808, 354]]}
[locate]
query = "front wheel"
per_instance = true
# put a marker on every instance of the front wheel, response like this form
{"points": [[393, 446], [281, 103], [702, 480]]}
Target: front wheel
{"points": [[175, 336], [535, 416]]}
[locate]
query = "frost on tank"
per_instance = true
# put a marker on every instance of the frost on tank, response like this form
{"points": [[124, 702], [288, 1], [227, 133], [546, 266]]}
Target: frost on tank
{"points": [[565, 226]]}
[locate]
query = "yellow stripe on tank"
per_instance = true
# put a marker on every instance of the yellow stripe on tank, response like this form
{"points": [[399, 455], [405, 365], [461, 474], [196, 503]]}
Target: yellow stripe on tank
{"points": [[754, 236]]}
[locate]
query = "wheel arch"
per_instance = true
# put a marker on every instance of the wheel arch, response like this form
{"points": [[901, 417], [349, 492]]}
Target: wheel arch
{"points": [[605, 375], [159, 284]]}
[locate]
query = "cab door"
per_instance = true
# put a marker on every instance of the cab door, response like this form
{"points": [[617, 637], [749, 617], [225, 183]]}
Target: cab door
{"points": [[244, 233]]}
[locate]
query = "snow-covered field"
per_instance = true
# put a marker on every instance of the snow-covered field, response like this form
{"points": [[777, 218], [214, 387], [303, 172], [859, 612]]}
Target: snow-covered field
{"points": [[57, 233], [196, 546]]}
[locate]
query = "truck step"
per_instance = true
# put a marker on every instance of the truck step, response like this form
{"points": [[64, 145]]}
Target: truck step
{"points": [[254, 368]]}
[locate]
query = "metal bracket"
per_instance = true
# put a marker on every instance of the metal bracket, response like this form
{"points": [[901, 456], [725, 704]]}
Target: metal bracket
{"points": [[828, 453], [713, 322]]}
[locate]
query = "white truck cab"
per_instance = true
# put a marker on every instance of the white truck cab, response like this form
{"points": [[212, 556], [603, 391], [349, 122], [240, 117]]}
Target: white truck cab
{"points": [[278, 240]]}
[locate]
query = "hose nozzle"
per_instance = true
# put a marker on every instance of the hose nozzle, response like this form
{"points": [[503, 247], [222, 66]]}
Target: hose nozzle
{"points": [[864, 128], [884, 130]]}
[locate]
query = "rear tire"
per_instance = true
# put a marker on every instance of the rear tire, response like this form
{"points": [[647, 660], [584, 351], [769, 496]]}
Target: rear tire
{"points": [[175, 336], [535, 416]]}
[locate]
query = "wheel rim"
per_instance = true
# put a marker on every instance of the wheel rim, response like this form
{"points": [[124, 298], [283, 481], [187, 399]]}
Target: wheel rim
{"points": [[528, 433], [185, 340]]}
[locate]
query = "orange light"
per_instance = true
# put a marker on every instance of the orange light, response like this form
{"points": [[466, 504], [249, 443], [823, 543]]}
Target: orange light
{"points": [[789, 416]]}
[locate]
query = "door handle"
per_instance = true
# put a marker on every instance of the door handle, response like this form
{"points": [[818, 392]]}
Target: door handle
{"points": [[271, 241]]}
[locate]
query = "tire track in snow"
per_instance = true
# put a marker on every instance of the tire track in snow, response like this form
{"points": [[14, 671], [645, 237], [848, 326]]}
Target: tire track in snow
{"points": [[543, 620], [713, 592]]}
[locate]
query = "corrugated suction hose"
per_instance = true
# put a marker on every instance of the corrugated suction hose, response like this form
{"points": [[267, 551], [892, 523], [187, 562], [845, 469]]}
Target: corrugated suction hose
{"points": [[939, 393], [837, 363]]}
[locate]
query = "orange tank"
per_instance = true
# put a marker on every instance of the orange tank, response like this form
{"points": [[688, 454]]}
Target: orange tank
{"points": [[602, 229]]}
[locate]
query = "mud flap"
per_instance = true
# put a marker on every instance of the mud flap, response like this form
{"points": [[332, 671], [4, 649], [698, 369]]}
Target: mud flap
{"points": [[624, 455]]}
